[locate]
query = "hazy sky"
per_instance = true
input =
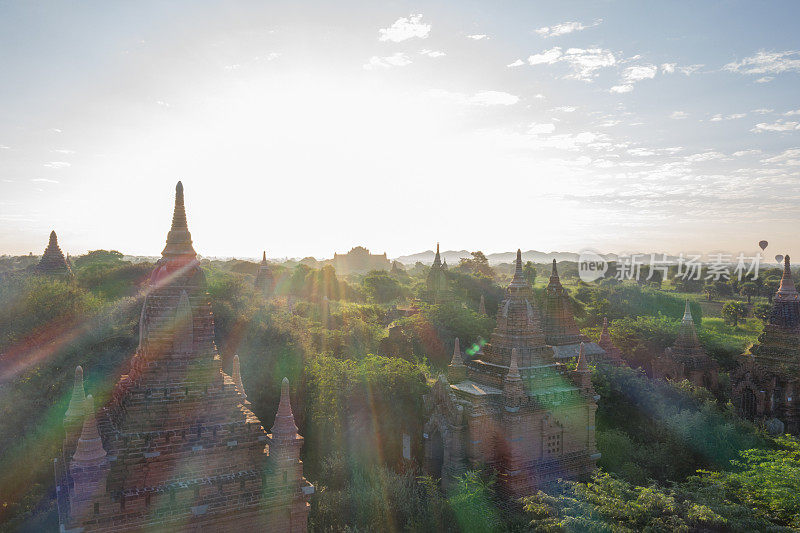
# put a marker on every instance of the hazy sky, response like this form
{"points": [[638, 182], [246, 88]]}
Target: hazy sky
{"points": [[308, 127]]}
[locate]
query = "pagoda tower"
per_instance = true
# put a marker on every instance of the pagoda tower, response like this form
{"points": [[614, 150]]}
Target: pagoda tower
{"points": [[766, 384], [182, 451], [436, 288], [265, 281], [53, 261], [515, 409], [613, 355], [686, 359], [560, 330]]}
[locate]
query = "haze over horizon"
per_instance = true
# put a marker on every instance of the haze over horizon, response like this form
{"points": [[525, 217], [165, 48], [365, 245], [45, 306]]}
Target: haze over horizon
{"points": [[616, 126]]}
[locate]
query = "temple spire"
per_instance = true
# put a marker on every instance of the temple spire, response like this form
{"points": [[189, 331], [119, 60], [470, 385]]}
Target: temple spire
{"points": [[437, 260], [237, 377], [76, 409], [284, 419], [687, 313], [264, 258], [179, 240], [605, 336], [456, 371], [787, 290], [583, 366], [89, 451], [554, 282], [53, 260], [518, 281], [513, 368], [687, 334]]}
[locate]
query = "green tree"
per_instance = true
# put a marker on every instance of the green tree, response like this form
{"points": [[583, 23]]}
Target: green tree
{"points": [[748, 289], [529, 271], [762, 311], [381, 287], [734, 311], [477, 265]]}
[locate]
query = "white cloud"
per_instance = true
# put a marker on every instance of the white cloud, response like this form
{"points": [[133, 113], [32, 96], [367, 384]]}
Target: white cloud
{"points": [[548, 56], [764, 62], [45, 180], [705, 156], [478, 36], [539, 96], [517, 63], [792, 113], [689, 70], [57, 164], [584, 62], [565, 109], [398, 59], [62, 151], [790, 157], [405, 28], [765, 79], [55, 130], [719, 117], [538, 129], [632, 75], [742, 153], [481, 98], [620, 89], [678, 115], [781, 125], [565, 28], [432, 53], [668, 68], [763, 111]]}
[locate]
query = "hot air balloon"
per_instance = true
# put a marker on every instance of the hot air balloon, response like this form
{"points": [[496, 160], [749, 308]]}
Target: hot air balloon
{"points": [[778, 258], [763, 244]]}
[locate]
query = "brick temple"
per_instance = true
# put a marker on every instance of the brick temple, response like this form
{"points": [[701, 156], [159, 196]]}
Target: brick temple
{"points": [[436, 288], [53, 261], [512, 406], [686, 359], [766, 383], [177, 447], [265, 281], [611, 354], [560, 330]]}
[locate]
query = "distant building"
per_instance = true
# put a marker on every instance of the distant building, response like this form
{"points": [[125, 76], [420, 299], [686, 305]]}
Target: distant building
{"points": [[436, 287], [265, 281], [53, 261], [612, 355], [686, 359], [560, 330], [177, 447], [766, 385], [360, 260], [512, 406]]}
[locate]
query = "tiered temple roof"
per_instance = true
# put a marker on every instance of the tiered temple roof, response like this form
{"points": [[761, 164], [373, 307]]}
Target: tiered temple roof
{"points": [[436, 282], [53, 260], [613, 355], [184, 450], [265, 281], [560, 330], [767, 382]]}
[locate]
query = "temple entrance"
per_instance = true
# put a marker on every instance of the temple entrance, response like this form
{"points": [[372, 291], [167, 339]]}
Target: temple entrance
{"points": [[436, 454], [748, 403]]}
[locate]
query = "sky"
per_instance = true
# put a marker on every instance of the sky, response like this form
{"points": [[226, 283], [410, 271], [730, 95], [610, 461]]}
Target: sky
{"points": [[305, 128]]}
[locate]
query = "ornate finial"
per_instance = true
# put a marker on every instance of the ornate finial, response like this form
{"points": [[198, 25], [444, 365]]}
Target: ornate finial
{"points": [[264, 257], [237, 377], [554, 272], [583, 366], [284, 419], [437, 260], [513, 368], [179, 240], [53, 238], [687, 312], [76, 410], [89, 450], [457, 359]]}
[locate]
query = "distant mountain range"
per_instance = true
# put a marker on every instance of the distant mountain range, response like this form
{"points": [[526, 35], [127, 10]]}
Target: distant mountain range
{"points": [[454, 256]]}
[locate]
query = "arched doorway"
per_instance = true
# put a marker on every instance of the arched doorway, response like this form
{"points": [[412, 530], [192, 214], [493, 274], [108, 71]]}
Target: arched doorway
{"points": [[435, 454], [748, 403]]}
